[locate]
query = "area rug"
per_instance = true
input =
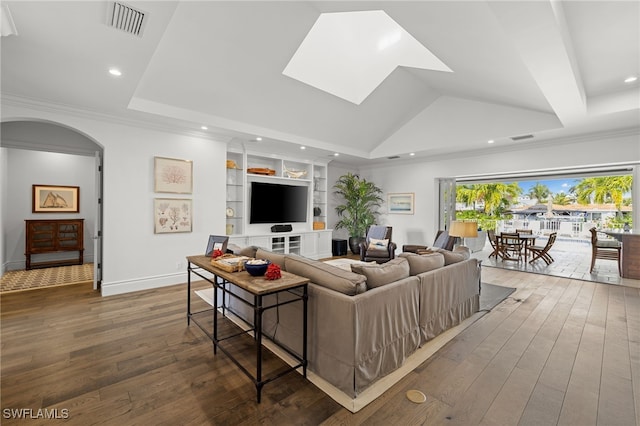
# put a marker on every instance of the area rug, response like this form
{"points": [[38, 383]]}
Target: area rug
{"points": [[380, 386], [33, 279], [491, 295]]}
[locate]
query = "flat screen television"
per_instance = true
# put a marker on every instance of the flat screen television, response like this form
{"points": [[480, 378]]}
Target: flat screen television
{"points": [[277, 203]]}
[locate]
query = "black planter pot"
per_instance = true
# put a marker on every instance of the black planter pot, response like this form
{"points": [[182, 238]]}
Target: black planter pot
{"points": [[354, 244]]}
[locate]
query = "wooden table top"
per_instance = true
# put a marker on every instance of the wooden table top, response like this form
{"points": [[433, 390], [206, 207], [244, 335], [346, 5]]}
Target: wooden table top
{"points": [[254, 285]]}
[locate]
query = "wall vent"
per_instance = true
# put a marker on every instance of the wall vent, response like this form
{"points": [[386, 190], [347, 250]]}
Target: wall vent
{"points": [[393, 157], [521, 137], [126, 18]]}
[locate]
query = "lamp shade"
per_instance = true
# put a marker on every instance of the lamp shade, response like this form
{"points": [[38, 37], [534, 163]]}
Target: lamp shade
{"points": [[463, 229]]}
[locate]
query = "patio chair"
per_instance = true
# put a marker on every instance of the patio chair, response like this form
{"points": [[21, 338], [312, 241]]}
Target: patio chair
{"points": [[604, 249], [494, 242], [542, 252], [524, 231], [510, 246]]}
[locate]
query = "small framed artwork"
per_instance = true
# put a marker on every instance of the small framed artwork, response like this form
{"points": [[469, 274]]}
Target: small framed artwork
{"points": [[172, 215], [55, 199], [216, 242], [173, 175], [401, 203]]}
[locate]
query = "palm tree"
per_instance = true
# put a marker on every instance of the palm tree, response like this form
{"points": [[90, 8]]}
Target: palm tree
{"points": [[562, 199], [497, 197], [603, 189], [540, 192], [359, 209]]}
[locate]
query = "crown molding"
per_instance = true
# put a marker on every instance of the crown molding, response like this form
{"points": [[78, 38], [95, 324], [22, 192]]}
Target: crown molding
{"points": [[511, 147], [144, 123]]}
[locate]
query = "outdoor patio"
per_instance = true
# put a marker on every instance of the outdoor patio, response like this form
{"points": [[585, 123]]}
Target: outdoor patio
{"points": [[572, 260]]}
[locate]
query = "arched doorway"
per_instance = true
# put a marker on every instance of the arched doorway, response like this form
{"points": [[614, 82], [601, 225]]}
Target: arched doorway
{"points": [[41, 152]]}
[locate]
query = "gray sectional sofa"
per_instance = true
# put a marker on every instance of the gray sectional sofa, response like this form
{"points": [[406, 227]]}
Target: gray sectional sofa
{"points": [[364, 324]]}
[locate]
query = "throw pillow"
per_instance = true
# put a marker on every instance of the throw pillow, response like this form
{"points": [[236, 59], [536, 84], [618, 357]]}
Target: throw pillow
{"points": [[379, 275], [380, 245], [419, 263], [325, 275]]}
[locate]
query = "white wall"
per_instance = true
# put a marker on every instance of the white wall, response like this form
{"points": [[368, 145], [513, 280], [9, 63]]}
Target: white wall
{"points": [[421, 177], [26, 168], [134, 258], [3, 203]]}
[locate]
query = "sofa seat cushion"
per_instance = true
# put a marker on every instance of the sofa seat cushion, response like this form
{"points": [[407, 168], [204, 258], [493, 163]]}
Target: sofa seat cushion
{"points": [[419, 263], [379, 275], [458, 254], [325, 275]]}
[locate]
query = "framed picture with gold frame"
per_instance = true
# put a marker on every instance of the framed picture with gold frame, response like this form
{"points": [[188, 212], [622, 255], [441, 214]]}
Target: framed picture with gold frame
{"points": [[55, 199]]}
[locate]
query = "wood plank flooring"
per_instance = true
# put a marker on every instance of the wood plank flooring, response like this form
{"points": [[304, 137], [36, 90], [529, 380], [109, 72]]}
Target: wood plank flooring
{"points": [[558, 351]]}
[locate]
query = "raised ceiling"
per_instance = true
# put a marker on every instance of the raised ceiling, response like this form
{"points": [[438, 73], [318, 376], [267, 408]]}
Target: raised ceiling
{"points": [[551, 69]]}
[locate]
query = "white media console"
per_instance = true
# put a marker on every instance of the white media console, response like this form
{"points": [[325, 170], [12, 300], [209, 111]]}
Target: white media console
{"points": [[306, 238]]}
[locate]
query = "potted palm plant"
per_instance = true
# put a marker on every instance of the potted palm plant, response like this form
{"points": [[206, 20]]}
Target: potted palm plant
{"points": [[359, 209]]}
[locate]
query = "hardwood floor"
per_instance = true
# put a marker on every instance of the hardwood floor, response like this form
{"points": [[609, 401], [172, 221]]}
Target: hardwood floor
{"points": [[557, 351]]}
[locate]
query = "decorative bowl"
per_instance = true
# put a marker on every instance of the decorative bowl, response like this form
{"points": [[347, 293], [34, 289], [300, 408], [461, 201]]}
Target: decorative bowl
{"points": [[256, 267]]}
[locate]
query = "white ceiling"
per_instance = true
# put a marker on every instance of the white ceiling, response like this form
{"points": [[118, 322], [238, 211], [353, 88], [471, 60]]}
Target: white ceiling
{"points": [[551, 69]]}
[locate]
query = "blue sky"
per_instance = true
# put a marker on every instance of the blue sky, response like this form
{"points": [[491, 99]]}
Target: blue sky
{"points": [[555, 185]]}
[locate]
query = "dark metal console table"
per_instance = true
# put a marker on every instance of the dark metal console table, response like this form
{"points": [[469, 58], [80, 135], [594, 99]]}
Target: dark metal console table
{"points": [[257, 287]]}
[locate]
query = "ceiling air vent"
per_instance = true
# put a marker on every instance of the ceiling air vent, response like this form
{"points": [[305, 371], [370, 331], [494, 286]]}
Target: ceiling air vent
{"points": [[393, 157], [126, 18], [521, 137]]}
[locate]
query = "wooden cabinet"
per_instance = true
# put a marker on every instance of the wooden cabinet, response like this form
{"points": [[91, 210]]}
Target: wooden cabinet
{"points": [[54, 236]]}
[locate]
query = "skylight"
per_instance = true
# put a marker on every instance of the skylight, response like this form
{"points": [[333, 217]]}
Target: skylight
{"points": [[348, 54]]}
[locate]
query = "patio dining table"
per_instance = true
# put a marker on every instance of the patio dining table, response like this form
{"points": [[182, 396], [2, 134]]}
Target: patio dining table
{"points": [[527, 241]]}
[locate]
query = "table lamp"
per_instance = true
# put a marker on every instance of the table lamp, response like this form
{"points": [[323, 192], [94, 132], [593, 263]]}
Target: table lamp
{"points": [[462, 229]]}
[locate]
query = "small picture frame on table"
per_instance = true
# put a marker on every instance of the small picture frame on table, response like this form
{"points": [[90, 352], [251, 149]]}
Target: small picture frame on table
{"points": [[216, 242]]}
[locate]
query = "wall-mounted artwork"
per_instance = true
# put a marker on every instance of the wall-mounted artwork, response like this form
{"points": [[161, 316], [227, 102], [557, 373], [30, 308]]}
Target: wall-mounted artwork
{"points": [[401, 203], [173, 175], [55, 199], [172, 215]]}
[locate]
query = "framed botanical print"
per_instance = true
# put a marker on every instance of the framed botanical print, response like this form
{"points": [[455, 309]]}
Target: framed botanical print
{"points": [[172, 215], [173, 175]]}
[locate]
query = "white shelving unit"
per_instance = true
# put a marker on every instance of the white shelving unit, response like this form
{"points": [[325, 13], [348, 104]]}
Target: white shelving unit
{"points": [[308, 239]]}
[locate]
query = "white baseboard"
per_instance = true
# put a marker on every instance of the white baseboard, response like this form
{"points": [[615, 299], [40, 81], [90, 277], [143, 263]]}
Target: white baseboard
{"points": [[145, 283]]}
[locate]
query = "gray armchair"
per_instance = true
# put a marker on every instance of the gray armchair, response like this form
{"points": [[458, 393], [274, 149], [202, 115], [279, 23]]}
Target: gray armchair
{"points": [[379, 253]]}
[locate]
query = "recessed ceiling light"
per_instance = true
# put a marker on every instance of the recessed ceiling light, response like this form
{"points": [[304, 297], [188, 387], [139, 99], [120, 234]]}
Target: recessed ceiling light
{"points": [[335, 154], [490, 141], [303, 147], [630, 79], [412, 154], [204, 127], [115, 71], [258, 138]]}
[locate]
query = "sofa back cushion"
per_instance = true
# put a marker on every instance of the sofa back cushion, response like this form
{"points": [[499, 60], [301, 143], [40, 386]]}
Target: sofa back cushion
{"points": [[419, 263], [458, 254], [276, 258], [324, 275], [379, 275]]}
